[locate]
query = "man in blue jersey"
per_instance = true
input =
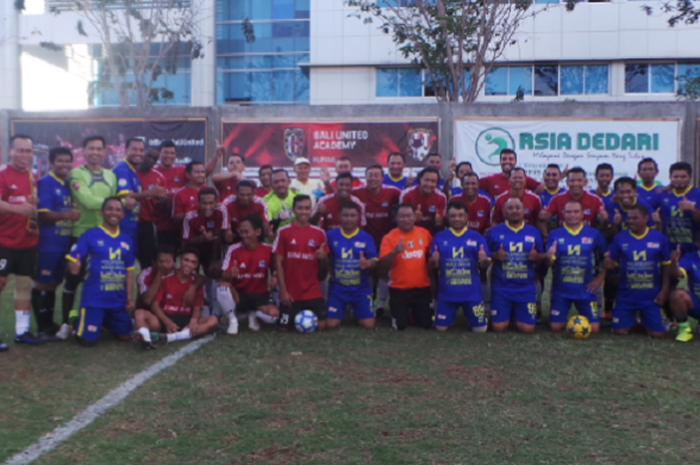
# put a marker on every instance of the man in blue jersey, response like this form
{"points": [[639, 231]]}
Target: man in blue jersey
{"points": [[353, 256], [648, 188], [604, 174], [573, 251], [642, 255], [109, 282], [459, 254], [625, 197], [56, 216], [516, 247], [396, 162], [550, 180], [680, 217], [685, 302]]}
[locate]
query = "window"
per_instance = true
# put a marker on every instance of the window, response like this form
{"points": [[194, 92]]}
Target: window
{"points": [[509, 80], [399, 82], [583, 79], [547, 80], [688, 78], [255, 10], [642, 78]]}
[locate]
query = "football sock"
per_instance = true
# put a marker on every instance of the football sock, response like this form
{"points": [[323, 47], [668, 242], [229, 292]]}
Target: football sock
{"points": [[22, 320], [382, 293], [265, 318], [67, 301], [39, 308], [226, 302], [180, 336], [50, 303], [145, 333]]}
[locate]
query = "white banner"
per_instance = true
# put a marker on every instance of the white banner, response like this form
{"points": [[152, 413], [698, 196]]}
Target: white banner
{"points": [[573, 142]]}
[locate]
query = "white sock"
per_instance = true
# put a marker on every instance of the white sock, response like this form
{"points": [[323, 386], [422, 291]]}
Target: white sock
{"points": [[180, 336], [22, 320], [145, 333], [382, 293], [225, 300], [265, 318]]}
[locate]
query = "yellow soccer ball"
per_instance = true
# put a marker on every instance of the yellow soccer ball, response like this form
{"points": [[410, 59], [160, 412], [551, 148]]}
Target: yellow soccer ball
{"points": [[578, 327]]}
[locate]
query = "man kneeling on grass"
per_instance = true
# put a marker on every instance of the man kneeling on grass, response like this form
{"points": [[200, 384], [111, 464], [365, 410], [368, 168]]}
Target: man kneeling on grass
{"points": [[170, 318]]}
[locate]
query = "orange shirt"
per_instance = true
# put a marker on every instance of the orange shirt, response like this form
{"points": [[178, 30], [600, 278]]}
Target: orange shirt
{"points": [[410, 268]]}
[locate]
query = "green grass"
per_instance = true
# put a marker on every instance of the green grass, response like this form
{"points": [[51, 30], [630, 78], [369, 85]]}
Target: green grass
{"points": [[355, 396]]}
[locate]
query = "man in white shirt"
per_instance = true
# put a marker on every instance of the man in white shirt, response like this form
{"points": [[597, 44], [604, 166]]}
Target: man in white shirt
{"points": [[302, 184]]}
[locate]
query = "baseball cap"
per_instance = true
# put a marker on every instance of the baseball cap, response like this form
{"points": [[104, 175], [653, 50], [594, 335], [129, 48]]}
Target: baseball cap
{"points": [[301, 160]]}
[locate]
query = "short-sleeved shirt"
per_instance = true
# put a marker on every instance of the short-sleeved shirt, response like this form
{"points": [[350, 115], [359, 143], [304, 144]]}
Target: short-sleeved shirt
{"points": [[194, 222], [171, 295], [546, 196], [89, 189], [690, 267], [430, 205], [226, 188], [275, 206], [174, 181], [459, 280], [410, 268], [262, 191], [678, 225], [378, 210], [346, 275], [17, 187], [605, 197], [592, 205], [149, 210], [612, 206], [515, 276], [397, 183], [253, 267], [54, 196], [297, 246], [108, 258], [640, 259], [143, 282], [578, 251], [531, 203], [186, 200], [355, 183], [128, 183], [236, 213], [479, 212], [496, 184], [331, 218], [650, 196], [312, 187]]}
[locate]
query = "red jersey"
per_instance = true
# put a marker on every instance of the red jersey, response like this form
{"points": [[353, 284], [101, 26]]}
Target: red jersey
{"points": [[226, 188], [331, 218], [591, 203], [496, 184], [253, 267], [148, 208], [193, 224], [298, 247], [17, 187], [174, 181], [531, 203], [479, 212], [355, 184], [236, 213], [262, 191], [185, 200], [430, 205], [143, 282], [171, 295], [378, 209]]}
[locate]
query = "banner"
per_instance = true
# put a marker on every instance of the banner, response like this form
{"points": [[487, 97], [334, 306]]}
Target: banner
{"points": [[188, 134], [365, 143], [573, 142]]}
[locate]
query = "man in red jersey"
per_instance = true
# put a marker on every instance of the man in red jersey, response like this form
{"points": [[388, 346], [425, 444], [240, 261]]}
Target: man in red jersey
{"points": [[170, 316], [496, 184], [265, 176], [342, 165], [301, 261], [242, 204], [594, 213], [327, 212], [531, 202], [247, 269], [226, 182], [19, 232], [151, 208], [478, 205], [428, 201], [186, 199], [202, 228]]}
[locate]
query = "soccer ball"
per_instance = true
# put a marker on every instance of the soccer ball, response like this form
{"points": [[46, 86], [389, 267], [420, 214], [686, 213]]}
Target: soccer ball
{"points": [[306, 321], [578, 327]]}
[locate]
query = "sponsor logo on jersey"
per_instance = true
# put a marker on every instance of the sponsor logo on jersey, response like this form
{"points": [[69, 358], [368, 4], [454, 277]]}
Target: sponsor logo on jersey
{"points": [[13, 187], [210, 224], [410, 243], [100, 243], [587, 240], [125, 245], [360, 245], [312, 243], [294, 242], [385, 204], [176, 179], [420, 241], [332, 309], [432, 209], [46, 272], [587, 211], [92, 328], [480, 214], [413, 254], [653, 245], [243, 266], [471, 243], [122, 182], [529, 239], [262, 264]]}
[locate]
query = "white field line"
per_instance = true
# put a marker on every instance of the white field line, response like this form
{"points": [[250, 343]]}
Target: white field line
{"points": [[114, 397]]}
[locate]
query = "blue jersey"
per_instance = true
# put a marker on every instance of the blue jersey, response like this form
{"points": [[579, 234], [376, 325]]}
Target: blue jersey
{"points": [[128, 182], [54, 196], [398, 183], [514, 276], [611, 207], [107, 258], [640, 259], [346, 275], [459, 259], [679, 226], [650, 196], [575, 260], [606, 198], [546, 197], [690, 265]]}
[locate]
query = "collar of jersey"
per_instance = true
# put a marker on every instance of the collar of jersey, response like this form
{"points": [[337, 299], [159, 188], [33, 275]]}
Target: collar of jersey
{"points": [[574, 232], [648, 189], [522, 225], [646, 231], [458, 234], [553, 192], [57, 178], [353, 234], [690, 186], [394, 179], [85, 167], [130, 165], [109, 233], [626, 209], [606, 194]]}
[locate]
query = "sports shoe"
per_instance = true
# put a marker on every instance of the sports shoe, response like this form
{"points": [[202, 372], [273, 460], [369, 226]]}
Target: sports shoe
{"points": [[3, 347], [28, 338], [685, 333], [232, 327], [138, 338], [64, 332], [379, 313], [158, 339], [48, 337], [253, 323]]}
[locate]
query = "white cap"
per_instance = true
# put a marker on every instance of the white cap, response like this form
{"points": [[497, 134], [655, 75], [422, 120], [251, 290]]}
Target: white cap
{"points": [[301, 160]]}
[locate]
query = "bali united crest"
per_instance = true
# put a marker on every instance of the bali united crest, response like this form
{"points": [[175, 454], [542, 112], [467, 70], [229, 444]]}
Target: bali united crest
{"points": [[419, 142], [293, 142]]}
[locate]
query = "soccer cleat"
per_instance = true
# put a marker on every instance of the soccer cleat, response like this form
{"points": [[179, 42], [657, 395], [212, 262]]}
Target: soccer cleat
{"points": [[379, 313], [158, 339], [3, 347], [685, 333], [232, 326], [28, 338], [64, 332], [138, 338], [48, 337], [253, 323]]}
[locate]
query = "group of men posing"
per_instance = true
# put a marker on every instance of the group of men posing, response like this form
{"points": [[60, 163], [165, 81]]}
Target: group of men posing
{"points": [[263, 251]]}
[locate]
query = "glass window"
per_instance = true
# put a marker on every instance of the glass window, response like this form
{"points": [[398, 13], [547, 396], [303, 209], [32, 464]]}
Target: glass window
{"points": [[662, 78], [497, 81], [688, 78], [571, 80], [301, 85], [546, 80], [597, 79], [283, 9], [387, 82], [636, 78], [283, 86], [520, 77], [261, 86], [302, 9], [410, 82]]}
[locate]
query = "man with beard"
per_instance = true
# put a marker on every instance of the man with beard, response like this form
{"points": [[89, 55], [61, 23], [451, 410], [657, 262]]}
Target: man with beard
{"points": [[152, 208]]}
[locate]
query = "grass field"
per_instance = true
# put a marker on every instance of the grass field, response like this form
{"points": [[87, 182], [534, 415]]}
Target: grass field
{"points": [[354, 396]]}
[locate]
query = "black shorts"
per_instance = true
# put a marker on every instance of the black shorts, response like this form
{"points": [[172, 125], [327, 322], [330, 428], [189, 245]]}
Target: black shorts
{"points": [[19, 262], [287, 314], [402, 301], [182, 321], [147, 245], [250, 302]]}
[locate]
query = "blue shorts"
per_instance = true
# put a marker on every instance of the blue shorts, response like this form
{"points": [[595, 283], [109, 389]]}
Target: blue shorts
{"points": [[91, 319], [695, 311], [503, 307], [624, 315], [474, 311], [559, 309], [51, 266], [361, 302]]}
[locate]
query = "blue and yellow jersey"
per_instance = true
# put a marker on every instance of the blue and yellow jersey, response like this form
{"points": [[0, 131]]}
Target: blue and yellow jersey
{"points": [[606, 197], [398, 183], [459, 259], [649, 195], [516, 274], [612, 206], [128, 182], [678, 225], [346, 274], [54, 196], [107, 259], [690, 267], [575, 260], [639, 259]]}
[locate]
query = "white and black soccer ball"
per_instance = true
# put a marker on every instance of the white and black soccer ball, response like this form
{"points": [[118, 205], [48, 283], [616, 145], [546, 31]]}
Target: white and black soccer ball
{"points": [[306, 321]]}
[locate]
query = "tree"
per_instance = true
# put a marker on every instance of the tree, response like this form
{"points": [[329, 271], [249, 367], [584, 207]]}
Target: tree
{"points": [[456, 42]]}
